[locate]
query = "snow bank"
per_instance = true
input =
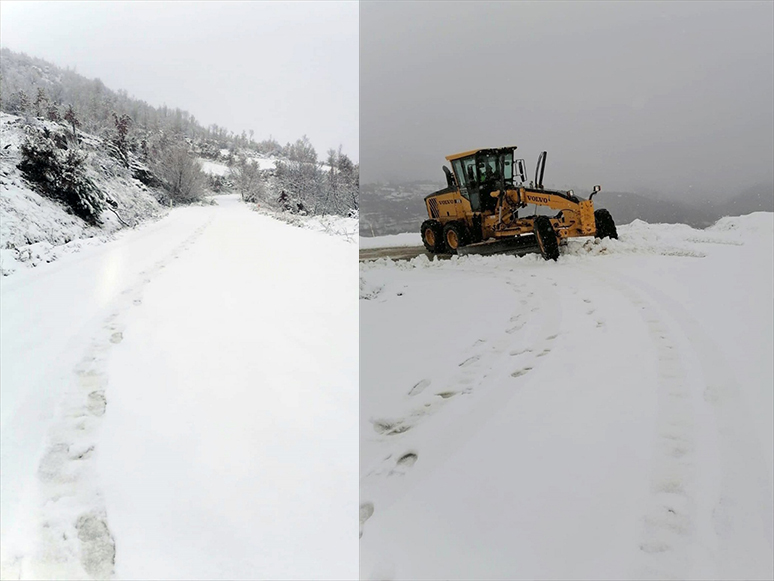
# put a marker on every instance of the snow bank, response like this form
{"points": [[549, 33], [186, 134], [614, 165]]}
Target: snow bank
{"points": [[339, 226], [636, 238]]}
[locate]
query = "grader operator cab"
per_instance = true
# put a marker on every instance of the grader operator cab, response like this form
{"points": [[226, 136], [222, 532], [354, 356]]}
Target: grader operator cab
{"points": [[478, 211]]}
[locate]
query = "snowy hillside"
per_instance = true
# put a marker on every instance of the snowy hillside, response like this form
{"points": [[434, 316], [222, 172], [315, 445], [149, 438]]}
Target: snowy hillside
{"points": [[35, 229], [606, 416], [185, 404]]}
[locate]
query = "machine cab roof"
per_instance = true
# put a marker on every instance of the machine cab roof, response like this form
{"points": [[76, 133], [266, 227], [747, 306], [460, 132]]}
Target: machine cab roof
{"points": [[480, 171], [473, 152]]}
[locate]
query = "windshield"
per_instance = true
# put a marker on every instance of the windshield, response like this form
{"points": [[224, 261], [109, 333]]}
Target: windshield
{"points": [[487, 167], [493, 165]]}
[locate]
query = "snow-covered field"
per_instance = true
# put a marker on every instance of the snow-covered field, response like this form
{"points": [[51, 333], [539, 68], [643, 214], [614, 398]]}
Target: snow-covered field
{"points": [[605, 416], [214, 168], [181, 402]]}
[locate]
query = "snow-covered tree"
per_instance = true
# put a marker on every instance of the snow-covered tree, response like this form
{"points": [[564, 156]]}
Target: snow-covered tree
{"points": [[247, 179], [41, 103], [182, 175], [120, 139], [72, 119], [59, 172], [53, 113]]}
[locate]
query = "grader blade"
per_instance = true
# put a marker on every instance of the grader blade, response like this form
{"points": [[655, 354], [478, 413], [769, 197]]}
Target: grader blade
{"points": [[517, 246]]}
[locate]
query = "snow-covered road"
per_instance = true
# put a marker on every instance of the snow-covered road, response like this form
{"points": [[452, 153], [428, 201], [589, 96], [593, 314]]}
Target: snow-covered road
{"points": [[608, 416], [183, 401]]}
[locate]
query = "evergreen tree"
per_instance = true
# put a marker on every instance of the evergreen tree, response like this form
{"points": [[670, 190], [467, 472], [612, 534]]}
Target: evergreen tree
{"points": [[70, 117]]}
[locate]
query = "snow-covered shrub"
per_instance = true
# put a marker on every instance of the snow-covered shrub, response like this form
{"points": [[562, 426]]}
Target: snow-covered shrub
{"points": [[182, 175], [247, 178], [59, 172]]}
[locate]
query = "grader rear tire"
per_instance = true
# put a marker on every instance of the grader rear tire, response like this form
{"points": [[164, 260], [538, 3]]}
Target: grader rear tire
{"points": [[432, 236]]}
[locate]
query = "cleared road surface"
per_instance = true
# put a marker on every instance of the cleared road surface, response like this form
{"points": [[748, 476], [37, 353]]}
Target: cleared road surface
{"points": [[182, 403]]}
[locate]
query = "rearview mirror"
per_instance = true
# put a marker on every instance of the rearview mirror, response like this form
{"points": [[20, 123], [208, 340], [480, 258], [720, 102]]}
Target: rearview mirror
{"points": [[521, 170], [597, 188]]}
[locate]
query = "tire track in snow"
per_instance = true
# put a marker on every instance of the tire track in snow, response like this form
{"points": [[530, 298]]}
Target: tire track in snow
{"points": [[734, 513], [703, 506], [74, 538]]}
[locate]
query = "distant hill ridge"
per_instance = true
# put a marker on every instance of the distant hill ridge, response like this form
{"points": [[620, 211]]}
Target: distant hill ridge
{"points": [[394, 208], [37, 87]]}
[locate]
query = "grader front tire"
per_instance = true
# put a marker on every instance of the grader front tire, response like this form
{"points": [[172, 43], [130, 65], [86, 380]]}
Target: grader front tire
{"points": [[454, 235], [605, 224], [546, 238]]}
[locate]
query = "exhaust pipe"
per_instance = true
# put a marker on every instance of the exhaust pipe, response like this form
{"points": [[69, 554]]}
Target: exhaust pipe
{"points": [[540, 170]]}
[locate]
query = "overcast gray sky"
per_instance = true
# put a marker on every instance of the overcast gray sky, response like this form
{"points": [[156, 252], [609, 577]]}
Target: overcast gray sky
{"points": [[283, 69], [675, 96]]}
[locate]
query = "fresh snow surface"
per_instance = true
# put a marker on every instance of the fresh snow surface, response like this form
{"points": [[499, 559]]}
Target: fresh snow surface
{"points": [[183, 401], [605, 416]]}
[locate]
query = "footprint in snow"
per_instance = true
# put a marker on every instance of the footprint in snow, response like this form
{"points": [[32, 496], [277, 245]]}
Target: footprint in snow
{"points": [[366, 511], [390, 428], [117, 337], [404, 463], [98, 550], [521, 372], [419, 387], [84, 455], [447, 394], [470, 360], [543, 353], [52, 463], [519, 352], [96, 403], [514, 329]]}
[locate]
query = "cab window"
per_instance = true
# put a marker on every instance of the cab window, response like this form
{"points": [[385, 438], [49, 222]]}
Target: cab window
{"points": [[507, 160], [466, 173]]}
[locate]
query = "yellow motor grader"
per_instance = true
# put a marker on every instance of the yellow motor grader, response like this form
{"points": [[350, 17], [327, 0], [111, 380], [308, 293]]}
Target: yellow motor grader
{"points": [[478, 211]]}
